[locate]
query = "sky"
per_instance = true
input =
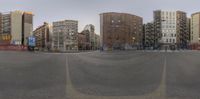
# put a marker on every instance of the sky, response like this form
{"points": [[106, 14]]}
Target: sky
{"points": [[87, 11]]}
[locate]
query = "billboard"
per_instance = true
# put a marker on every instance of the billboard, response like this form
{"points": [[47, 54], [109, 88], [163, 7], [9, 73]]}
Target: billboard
{"points": [[32, 41]]}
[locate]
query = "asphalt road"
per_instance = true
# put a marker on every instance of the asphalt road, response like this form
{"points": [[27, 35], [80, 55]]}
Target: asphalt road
{"points": [[100, 75], [25, 75], [116, 74], [134, 75], [183, 75]]}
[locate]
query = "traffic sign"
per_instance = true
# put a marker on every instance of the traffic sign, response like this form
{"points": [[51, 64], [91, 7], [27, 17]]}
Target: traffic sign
{"points": [[32, 41]]}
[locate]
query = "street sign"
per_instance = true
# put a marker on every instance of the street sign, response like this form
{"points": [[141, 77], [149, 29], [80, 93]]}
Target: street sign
{"points": [[32, 41]]}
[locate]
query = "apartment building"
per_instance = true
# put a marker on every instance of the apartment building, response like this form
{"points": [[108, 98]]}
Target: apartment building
{"points": [[149, 35], [189, 28], [42, 35], [16, 27], [83, 44], [88, 44], [195, 28], [5, 28], [171, 28], [97, 42], [27, 26], [119, 31], [89, 31], [65, 35]]}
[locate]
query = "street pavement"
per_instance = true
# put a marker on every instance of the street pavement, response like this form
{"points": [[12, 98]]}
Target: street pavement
{"points": [[134, 75], [100, 75], [183, 75], [116, 74], [25, 75]]}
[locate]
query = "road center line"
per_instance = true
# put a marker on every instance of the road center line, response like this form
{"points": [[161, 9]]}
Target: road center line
{"points": [[161, 91]]}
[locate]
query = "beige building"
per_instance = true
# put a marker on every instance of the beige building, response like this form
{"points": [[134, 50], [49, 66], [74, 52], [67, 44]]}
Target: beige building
{"points": [[42, 35], [16, 30], [195, 28], [119, 31], [16, 27]]}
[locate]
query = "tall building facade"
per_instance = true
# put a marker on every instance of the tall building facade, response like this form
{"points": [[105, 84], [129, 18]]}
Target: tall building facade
{"points": [[5, 28], [27, 26], [0, 23], [183, 34], [16, 27], [65, 35], [120, 31], [189, 28], [149, 38], [157, 28], [42, 35], [91, 37], [97, 42], [88, 44], [90, 29], [171, 28], [82, 42], [195, 28]]}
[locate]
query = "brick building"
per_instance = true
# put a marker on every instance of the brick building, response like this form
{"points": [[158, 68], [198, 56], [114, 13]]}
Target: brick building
{"points": [[119, 31]]}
